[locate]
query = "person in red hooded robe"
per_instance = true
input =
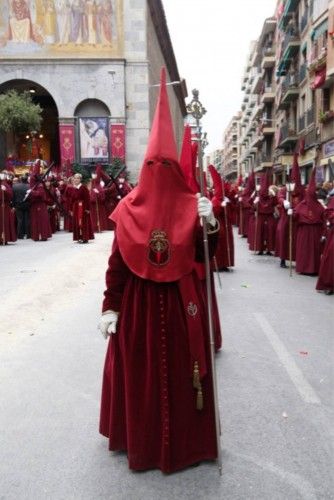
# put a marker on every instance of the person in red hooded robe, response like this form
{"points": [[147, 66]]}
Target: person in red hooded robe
{"points": [[188, 162], [288, 197], [326, 272], [97, 202], [7, 221], [225, 249], [157, 397], [246, 205], [80, 210], [40, 228], [309, 216], [265, 221]]}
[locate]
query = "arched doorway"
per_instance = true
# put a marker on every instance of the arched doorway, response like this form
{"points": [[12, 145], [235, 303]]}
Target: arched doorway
{"points": [[27, 146]]}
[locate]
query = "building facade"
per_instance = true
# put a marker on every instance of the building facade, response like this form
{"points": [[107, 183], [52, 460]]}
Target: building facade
{"points": [[288, 84], [93, 66]]}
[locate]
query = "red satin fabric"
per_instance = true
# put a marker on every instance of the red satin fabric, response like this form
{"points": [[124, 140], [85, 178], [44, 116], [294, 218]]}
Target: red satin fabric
{"points": [[326, 271], [82, 224]]}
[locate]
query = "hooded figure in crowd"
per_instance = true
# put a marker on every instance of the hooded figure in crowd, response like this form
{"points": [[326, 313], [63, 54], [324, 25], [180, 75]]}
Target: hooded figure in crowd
{"points": [[157, 397]]}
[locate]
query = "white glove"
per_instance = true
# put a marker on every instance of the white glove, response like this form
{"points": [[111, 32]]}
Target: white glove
{"points": [[286, 204], [204, 208], [256, 200], [3, 187], [290, 211], [28, 191], [322, 239], [108, 323], [239, 199], [224, 203], [96, 191], [226, 199]]}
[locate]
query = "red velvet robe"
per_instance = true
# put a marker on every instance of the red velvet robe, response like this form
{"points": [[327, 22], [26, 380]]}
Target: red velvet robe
{"points": [[148, 403], [246, 212], [326, 271], [68, 202], [40, 228], [52, 209], [225, 247], [309, 232], [82, 224], [98, 210], [264, 226], [282, 230], [7, 219]]}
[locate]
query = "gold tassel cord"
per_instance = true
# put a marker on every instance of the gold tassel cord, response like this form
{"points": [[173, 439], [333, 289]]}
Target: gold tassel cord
{"points": [[197, 385], [196, 379], [199, 399]]}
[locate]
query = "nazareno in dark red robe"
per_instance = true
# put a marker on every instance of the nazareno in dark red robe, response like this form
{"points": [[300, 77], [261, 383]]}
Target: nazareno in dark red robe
{"points": [[82, 224], [40, 228], [326, 272], [309, 216], [158, 363], [148, 400], [7, 221]]}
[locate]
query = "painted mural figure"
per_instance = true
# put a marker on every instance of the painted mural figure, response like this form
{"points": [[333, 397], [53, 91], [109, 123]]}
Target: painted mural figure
{"points": [[78, 24], [90, 11], [20, 22], [50, 21], [104, 13], [63, 10]]}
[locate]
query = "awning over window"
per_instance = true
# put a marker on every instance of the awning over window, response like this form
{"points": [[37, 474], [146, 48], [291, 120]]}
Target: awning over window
{"points": [[319, 80]]}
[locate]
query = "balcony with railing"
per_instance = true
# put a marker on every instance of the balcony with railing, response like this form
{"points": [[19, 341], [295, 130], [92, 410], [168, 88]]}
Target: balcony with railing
{"points": [[310, 139], [265, 159], [303, 21], [268, 126], [290, 49], [268, 57], [302, 72], [268, 94], [327, 131], [288, 135], [310, 114], [318, 55], [290, 90], [301, 122]]}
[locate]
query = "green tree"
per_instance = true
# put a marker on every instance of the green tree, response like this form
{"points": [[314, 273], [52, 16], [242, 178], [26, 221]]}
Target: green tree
{"points": [[18, 113]]}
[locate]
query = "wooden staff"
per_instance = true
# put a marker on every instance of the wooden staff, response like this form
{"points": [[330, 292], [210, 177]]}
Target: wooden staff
{"points": [[226, 229], [3, 216], [290, 233], [256, 225], [196, 109]]}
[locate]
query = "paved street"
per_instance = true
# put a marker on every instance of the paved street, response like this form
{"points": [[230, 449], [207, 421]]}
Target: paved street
{"points": [[275, 381]]}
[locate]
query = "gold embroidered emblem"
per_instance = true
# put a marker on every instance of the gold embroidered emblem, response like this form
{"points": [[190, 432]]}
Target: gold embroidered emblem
{"points": [[192, 309], [158, 248]]}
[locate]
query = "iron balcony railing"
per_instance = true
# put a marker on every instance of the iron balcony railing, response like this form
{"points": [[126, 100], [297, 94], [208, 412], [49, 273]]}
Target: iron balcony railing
{"points": [[301, 123], [288, 82], [288, 130], [310, 115], [289, 39], [302, 72], [303, 22]]}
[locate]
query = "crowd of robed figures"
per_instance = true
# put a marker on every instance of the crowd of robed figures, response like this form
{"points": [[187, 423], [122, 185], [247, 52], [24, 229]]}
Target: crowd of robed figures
{"points": [[33, 206]]}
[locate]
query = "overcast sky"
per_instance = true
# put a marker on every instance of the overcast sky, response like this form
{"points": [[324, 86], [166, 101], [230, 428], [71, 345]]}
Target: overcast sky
{"points": [[211, 41]]}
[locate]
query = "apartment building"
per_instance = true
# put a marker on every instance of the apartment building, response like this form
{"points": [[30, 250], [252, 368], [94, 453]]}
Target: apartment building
{"points": [[288, 102], [230, 151]]}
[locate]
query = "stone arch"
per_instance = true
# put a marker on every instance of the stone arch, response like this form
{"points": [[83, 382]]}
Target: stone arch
{"points": [[92, 108], [48, 136]]}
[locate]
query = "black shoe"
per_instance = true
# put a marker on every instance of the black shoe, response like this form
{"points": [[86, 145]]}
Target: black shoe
{"points": [[260, 253], [283, 264], [269, 253], [329, 292], [224, 269], [85, 241]]}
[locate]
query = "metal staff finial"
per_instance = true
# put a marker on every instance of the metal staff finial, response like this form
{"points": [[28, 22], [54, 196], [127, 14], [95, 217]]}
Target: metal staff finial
{"points": [[197, 110]]}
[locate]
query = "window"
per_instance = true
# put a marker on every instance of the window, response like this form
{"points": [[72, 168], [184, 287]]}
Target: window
{"points": [[325, 99]]}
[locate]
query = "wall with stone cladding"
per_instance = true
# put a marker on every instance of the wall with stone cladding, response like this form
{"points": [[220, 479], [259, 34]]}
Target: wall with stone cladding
{"points": [[136, 84], [156, 61]]}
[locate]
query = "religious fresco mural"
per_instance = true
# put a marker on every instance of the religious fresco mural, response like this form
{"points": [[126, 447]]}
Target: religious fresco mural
{"points": [[61, 28]]}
